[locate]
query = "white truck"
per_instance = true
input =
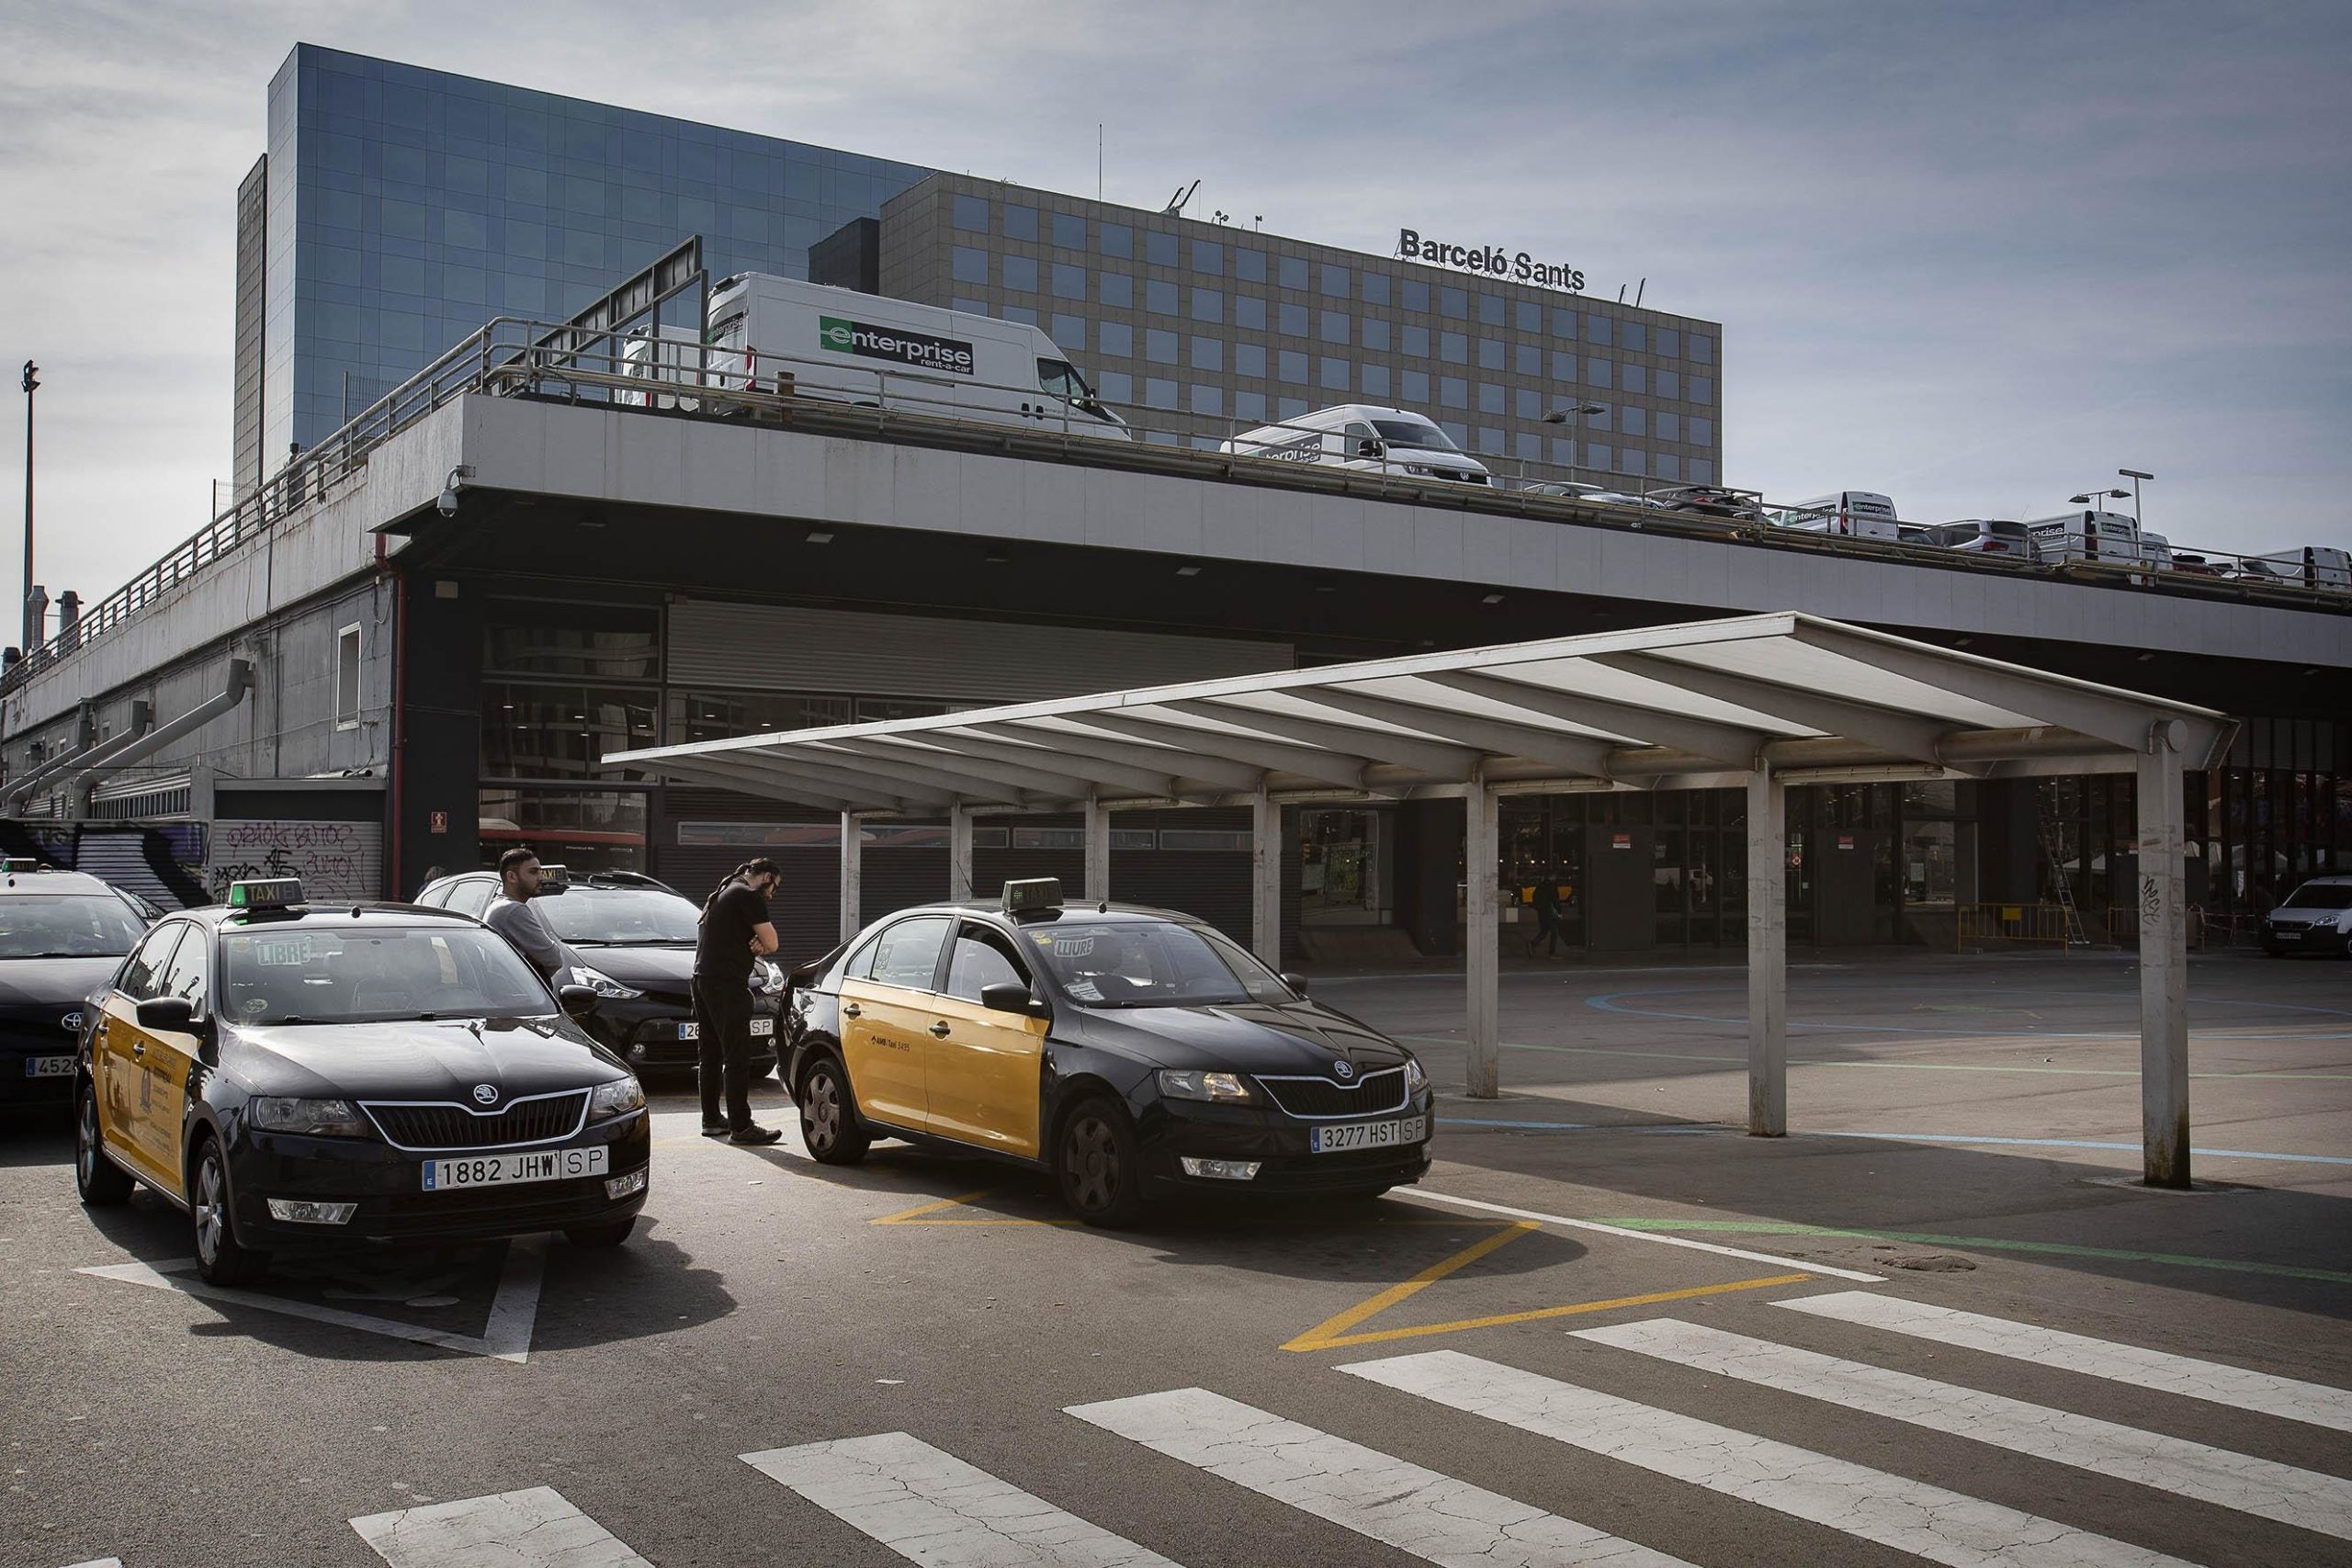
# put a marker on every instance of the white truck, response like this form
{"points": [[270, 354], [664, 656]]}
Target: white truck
{"points": [[1362, 436], [2313, 566], [1847, 513], [841, 345], [2107, 538]]}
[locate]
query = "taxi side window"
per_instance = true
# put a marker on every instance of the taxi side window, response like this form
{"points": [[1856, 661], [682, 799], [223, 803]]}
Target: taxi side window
{"points": [[982, 957], [142, 975], [189, 973], [907, 955], [473, 897]]}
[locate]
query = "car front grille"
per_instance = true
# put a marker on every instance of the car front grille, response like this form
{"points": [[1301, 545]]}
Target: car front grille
{"points": [[541, 1119], [1314, 1098]]}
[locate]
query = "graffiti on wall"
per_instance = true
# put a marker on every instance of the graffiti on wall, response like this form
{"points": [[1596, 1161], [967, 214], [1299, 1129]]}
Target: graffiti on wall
{"points": [[335, 860]]}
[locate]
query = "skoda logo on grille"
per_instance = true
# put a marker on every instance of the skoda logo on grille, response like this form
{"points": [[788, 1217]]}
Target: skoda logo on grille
{"points": [[1346, 1069], [71, 1023], [485, 1094]]}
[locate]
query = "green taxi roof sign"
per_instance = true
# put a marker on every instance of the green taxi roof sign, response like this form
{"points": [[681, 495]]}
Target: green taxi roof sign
{"points": [[1035, 893], [265, 892]]}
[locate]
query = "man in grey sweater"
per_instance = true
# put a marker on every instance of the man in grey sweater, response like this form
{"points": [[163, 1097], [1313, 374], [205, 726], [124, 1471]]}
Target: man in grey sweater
{"points": [[512, 917]]}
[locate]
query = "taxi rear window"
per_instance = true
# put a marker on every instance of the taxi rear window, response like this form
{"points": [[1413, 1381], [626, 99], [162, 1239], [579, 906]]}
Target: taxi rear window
{"points": [[1132, 963]]}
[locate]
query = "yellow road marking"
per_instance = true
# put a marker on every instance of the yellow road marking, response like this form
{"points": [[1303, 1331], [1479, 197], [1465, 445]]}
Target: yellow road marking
{"points": [[915, 1216], [1315, 1339], [1323, 1332]]}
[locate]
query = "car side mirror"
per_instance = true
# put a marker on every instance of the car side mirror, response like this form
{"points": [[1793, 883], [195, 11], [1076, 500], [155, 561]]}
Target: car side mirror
{"points": [[167, 1015], [1006, 996], [578, 1001], [1295, 982]]}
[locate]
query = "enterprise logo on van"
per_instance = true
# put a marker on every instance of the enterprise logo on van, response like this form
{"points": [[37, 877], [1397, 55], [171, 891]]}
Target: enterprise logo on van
{"points": [[895, 344]]}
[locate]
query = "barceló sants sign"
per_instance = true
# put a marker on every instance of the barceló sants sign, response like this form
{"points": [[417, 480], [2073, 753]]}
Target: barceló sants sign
{"points": [[1517, 265]]}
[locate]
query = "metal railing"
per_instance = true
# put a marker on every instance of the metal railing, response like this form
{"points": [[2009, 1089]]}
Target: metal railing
{"points": [[516, 357], [1979, 923]]}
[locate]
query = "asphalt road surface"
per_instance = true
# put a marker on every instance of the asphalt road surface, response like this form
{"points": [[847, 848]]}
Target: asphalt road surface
{"points": [[1939, 1324]]}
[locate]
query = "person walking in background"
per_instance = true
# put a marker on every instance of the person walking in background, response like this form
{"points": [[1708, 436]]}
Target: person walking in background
{"points": [[512, 917], [1547, 917], [735, 929]]}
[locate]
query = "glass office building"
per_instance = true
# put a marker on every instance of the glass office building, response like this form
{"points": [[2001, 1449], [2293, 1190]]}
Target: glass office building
{"points": [[402, 208]]}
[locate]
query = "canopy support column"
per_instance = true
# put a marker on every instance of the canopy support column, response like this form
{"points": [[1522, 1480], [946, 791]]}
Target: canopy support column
{"points": [[1768, 955], [1266, 880], [1098, 852], [2163, 964], [1480, 868], [852, 873], [959, 852]]}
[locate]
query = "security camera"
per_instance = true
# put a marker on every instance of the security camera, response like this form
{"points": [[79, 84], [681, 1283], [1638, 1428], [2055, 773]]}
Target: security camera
{"points": [[447, 504]]}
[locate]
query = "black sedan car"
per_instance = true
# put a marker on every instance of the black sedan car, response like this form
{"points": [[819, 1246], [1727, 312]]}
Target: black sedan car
{"points": [[636, 942], [62, 934], [294, 1077], [1134, 1054]]}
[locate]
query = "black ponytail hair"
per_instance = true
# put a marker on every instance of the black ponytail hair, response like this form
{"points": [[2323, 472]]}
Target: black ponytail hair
{"points": [[759, 867]]}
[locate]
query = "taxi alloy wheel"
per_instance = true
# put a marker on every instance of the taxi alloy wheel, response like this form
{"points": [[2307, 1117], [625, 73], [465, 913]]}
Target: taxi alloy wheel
{"points": [[219, 1256], [829, 1125], [1098, 1165], [101, 1183]]}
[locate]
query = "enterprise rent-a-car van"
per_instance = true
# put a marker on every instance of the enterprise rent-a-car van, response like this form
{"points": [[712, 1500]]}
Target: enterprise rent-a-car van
{"points": [[845, 346], [1359, 435]]}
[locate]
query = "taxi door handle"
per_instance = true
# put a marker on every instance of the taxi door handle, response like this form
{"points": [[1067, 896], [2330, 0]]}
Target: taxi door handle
{"points": [[940, 1029], [851, 1009], [139, 1049]]}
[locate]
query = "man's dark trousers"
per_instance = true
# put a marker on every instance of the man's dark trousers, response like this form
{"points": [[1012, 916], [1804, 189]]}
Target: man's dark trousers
{"points": [[723, 1009]]}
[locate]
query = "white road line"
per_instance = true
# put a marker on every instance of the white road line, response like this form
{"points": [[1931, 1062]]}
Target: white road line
{"points": [[1892, 1510], [2315, 1404], [510, 1530], [1422, 1194], [2304, 1498], [98, 1563], [931, 1507], [1434, 1517]]}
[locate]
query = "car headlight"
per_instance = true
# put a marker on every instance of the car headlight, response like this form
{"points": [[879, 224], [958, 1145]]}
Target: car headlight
{"points": [[616, 1099], [603, 984], [1189, 1084], [313, 1118], [1416, 1078], [766, 978]]}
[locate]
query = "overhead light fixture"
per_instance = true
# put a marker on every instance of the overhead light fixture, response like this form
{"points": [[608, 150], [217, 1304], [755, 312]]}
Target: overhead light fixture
{"points": [[2145, 656], [1188, 572], [997, 559], [1962, 642], [1492, 599], [819, 537], [1326, 588]]}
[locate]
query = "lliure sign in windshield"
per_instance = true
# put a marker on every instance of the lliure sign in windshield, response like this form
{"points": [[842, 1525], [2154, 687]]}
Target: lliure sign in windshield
{"points": [[1519, 266]]}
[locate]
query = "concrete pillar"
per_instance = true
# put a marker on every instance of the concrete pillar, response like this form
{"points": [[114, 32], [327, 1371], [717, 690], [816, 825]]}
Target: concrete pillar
{"points": [[853, 874], [1480, 867], [1098, 852], [959, 852], [2163, 966], [1768, 956], [1266, 851]]}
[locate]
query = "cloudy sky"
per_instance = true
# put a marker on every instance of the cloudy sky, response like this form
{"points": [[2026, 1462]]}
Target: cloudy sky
{"points": [[1978, 256]]}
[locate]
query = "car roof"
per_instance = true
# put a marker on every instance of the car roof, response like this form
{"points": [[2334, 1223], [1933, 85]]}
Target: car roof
{"points": [[989, 909], [49, 880], [371, 912]]}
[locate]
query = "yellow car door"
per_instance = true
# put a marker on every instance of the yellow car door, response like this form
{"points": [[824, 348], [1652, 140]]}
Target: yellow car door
{"points": [[985, 1065], [172, 1058], [119, 1052], [885, 1001]]}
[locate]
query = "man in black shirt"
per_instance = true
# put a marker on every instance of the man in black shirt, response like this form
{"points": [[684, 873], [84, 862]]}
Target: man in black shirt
{"points": [[735, 928]]}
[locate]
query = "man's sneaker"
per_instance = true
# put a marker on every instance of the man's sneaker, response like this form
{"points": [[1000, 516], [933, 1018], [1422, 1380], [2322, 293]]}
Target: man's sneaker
{"points": [[716, 1129], [754, 1136]]}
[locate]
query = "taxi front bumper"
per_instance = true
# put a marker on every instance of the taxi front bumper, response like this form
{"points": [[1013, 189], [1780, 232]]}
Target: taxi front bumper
{"points": [[1169, 1131], [387, 1187], [2302, 936]]}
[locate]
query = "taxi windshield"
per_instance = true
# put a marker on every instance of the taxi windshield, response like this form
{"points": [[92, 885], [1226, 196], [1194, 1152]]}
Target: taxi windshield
{"points": [[77, 926], [2320, 896], [1142, 964], [361, 973], [619, 917]]}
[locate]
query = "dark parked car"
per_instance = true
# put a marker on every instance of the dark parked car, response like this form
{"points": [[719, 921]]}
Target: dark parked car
{"points": [[636, 941], [62, 935]]}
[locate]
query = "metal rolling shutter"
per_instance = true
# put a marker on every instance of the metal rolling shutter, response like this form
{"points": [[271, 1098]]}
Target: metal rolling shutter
{"points": [[790, 648]]}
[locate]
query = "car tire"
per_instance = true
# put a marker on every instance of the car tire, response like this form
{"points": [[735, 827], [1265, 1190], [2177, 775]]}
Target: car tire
{"points": [[220, 1259], [100, 1182], [1097, 1165], [830, 1129], [611, 1235]]}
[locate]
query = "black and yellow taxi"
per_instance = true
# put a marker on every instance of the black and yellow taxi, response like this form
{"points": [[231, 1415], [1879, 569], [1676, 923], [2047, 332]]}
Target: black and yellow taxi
{"points": [[300, 1077], [1133, 1053], [62, 933]]}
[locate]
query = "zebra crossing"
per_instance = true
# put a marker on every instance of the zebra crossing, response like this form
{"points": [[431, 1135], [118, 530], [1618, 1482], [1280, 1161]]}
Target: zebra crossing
{"points": [[923, 1504]]}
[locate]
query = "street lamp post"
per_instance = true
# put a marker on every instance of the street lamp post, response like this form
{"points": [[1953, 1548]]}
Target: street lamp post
{"points": [[2092, 497], [31, 632], [2135, 476], [1563, 416]]}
